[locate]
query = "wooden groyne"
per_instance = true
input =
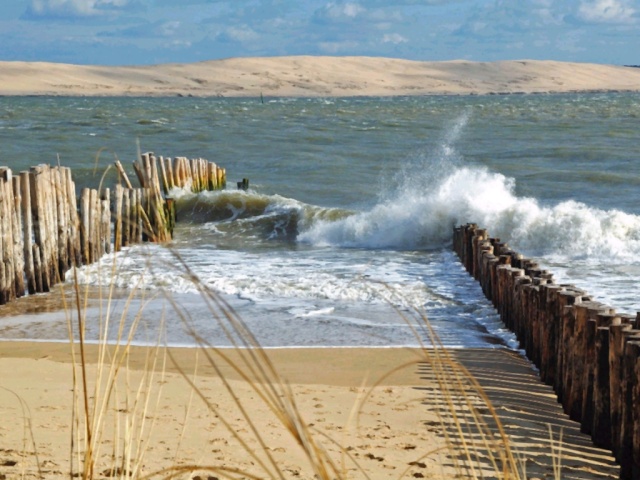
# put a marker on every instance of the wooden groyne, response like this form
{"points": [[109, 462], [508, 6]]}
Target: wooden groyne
{"points": [[584, 349], [46, 228]]}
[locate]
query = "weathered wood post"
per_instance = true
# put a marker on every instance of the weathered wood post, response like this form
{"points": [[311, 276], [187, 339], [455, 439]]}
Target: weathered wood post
{"points": [[601, 417], [18, 240], [549, 331], [616, 351], [85, 224], [27, 231], [42, 232], [590, 354], [60, 195], [94, 225], [591, 382], [74, 220], [126, 218], [105, 221], [7, 292], [118, 226], [628, 384]]}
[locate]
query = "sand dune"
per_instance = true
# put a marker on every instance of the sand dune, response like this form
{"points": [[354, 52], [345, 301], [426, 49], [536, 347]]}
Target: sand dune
{"points": [[315, 76]]}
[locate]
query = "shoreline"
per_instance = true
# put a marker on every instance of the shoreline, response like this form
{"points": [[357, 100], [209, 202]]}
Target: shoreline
{"points": [[267, 97], [331, 366]]}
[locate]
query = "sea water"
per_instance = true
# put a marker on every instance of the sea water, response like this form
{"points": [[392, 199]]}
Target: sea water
{"points": [[344, 237]]}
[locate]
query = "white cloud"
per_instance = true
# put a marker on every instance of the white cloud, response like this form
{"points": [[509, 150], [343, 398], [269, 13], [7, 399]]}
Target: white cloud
{"points": [[337, 47], [606, 11], [339, 12], [169, 29], [62, 7], [73, 8], [180, 44], [352, 9], [394, 38], [239, 34]]}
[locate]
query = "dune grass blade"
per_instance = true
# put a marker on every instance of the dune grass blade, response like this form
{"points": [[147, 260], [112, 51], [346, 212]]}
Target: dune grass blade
{"points": [[474, 438]]}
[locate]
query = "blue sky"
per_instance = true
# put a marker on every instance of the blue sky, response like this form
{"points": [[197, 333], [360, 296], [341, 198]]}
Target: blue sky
{"points": [[126, 32]]}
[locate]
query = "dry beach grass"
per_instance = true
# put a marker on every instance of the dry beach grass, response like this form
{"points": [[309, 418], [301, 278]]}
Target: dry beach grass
{"points": [[112, 410], [309, 76]]}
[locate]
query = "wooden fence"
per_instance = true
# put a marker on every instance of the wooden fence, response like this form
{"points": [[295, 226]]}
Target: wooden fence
{"points": [[46, 228], [583, 348]]}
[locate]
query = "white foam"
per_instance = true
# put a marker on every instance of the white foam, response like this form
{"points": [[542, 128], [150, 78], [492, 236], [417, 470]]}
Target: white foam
{"points": [[258, 277], [423, 219]]}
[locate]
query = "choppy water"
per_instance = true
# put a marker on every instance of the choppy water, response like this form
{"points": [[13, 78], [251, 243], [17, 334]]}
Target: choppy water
{"points": [[347, 226]]}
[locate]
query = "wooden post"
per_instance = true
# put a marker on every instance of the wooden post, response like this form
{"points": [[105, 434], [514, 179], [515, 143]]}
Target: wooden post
{"points": [[146, 169], [154, 182], [40, 227], [105, 221], [549, 334], [133, 215], [601, 426], [85, 225], [18, 242], [94, 228], [588, 377], [9, 263], [5, 274], [193, 171], [27, 231], [213, 176], [139, 173], [52, 222], [136, 205], [616, 351], [244, 184], [126, 218], [117, 235], [163, 176], [60, 199], [578, 371], [74, 220], [176, 172], [170, 213], [635, 409], [123, 175], [628, 385], [169, 170], [37, 264], [148, 233]]}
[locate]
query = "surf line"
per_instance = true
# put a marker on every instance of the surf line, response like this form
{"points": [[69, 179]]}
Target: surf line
{"points": [[586, 351]]}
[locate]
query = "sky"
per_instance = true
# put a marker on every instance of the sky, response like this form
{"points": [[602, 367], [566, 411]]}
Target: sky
{"points": [[143, 32]]}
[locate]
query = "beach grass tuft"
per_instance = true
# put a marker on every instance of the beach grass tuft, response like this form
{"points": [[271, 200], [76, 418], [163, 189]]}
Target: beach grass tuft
{"points": [[116, 405]]}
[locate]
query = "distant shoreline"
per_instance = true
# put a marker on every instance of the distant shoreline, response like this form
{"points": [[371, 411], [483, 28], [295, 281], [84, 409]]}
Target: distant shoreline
{"points": [[307, 76], [453, 95]]}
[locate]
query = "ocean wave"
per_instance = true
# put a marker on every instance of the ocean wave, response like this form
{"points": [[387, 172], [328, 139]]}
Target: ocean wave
{"points": [[250, 214], [436, 191], [419, 219]]}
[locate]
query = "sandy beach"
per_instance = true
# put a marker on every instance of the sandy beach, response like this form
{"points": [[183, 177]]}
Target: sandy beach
{"points": [[311, 76], [369, 423], [377, 413]]}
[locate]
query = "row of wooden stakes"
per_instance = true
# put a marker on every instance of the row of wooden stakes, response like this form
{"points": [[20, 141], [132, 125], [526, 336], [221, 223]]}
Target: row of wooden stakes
{"points": [[584, 349], [45, 228]]}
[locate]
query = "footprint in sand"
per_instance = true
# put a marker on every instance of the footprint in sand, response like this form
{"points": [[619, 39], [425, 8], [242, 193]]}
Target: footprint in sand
{"points": [[371, 456]]}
